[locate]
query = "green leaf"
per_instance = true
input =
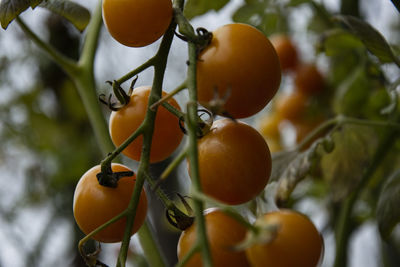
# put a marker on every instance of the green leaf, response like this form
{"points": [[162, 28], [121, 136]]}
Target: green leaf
{"points": [[10, 9], [78, 15], [344, 166], [195, 8], [372, 39], [388, 212]]}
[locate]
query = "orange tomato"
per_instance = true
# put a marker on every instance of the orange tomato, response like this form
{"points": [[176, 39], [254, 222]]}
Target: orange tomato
{"points": [[167, 133], [223, 233], [241, 64], [94, 205], [234, 162], [137, 23], [297, 242], [286, 50], [308, 79]]}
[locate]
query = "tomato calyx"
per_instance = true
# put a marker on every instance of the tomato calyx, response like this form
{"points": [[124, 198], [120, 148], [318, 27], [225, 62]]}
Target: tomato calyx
{"points": [[179, 219], [109, 178], [203, 126], [123, 98], [217, 104]]}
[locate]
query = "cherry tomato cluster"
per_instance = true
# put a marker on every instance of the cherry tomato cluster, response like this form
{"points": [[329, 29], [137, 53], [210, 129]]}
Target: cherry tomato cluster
{"points": [[283, 238], [238, 74], [295, 106]]}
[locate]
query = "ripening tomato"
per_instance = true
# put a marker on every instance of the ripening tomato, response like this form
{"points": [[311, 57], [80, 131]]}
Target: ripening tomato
{"points": [[223, 233], [308, 79], [268, 125], [297, 242], [95, 205], [234, 162], [137, 23], [167, 133], [242, 64], [286, 50], [291, 106]]}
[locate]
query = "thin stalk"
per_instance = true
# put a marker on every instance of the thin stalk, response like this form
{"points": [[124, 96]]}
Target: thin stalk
{"points": [[192, 121], [148, 244], [170, 95], [160, 61], [64, 62]]}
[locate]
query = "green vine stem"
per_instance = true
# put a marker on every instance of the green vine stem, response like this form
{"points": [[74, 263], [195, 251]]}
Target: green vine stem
{"points": [[160, 62], [192, 125], [82, 74]]}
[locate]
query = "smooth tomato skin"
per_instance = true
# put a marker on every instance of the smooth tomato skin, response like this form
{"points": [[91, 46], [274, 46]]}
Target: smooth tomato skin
{"points": [[286, 50], [166, 137], [242, 60], [308, 79], [234, 162], [137, 23], [298, 242], [94, 205], [223, 233]]}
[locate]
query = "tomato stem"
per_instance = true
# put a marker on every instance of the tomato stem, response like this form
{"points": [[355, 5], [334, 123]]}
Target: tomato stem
{"points": [[165, 98]]}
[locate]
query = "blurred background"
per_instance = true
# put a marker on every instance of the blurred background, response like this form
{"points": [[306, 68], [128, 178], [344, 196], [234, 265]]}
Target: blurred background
{"points": [[47, 142]]}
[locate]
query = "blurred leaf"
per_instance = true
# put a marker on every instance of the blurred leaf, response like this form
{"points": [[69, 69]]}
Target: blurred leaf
{"points": [[78, 15], [388, 212], [195, 8], [345, 165], [372, 39], [352, 94], [250, 13], [10, 9], [297, 2], [290, 168]]}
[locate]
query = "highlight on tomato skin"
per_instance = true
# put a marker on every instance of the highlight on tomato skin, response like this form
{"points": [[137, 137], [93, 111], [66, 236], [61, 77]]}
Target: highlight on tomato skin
{"points": [[94, 204], [241, 67], [167, 134], [223, 233], [297, 242], [234, 162], [137, 23]]}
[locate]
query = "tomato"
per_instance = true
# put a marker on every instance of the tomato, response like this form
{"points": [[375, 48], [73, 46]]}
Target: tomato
{"points": [[234, 162], [291, 106], [137, 23], [223, 233], [167, 133], [268, 125], [308, 79], [286, 50], [297, 242], [242, 64], [95, 204]]}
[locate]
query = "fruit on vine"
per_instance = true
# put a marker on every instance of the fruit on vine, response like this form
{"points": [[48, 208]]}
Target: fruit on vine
{"points": [[291, 106], [137, 23], [95, 204], [308, 79], [296, 241], [239, 67], [167, 134], [286, 50], [223, 233], [234, 162]]}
